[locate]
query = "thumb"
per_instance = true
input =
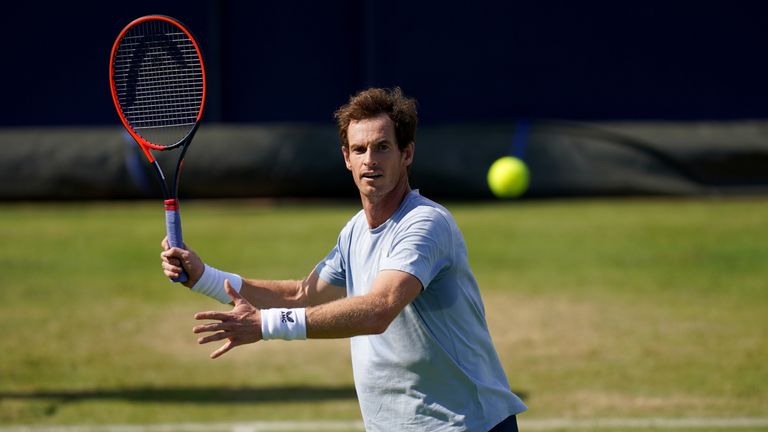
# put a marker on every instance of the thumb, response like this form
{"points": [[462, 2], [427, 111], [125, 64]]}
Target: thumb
{"points": [[234, 295]]}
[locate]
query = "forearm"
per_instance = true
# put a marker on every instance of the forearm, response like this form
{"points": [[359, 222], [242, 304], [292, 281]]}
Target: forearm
{"points": [[266, 294], [353, 316], [310, 291], [367, 314]]}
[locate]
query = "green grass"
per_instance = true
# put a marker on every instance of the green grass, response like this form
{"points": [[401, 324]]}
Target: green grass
{"points": [[598, 308]]}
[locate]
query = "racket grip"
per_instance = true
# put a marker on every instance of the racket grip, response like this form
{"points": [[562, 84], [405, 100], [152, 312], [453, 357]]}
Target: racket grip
{"points": [[173, 230]]}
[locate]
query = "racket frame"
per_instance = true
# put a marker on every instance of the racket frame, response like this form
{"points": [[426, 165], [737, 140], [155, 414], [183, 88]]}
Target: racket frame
{"points": [[170, 195]]}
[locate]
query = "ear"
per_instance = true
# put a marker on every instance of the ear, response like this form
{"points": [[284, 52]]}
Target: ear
{"points": [[345, 152], [408, 152]]}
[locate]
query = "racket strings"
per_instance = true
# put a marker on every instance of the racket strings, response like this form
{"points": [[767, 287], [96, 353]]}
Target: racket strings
{"points": [[159, 81]]}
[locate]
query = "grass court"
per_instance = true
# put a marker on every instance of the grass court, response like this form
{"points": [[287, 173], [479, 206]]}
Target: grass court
{"points": [[616, 308]]}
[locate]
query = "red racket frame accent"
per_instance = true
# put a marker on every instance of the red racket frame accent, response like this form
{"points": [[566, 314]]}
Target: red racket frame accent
{"points": [[144, 144]]}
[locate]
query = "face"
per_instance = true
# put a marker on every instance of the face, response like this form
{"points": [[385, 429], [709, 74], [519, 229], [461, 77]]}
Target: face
{"points": [[378, 166]]}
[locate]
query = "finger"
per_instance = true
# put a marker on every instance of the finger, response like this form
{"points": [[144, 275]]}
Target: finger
{"points": [[174, 261], [172, 265], [213, 315], [172, 256], [214, 337], [226, 326], [164, 243], [174, 252], [234, 295], [165, 256], [170, 270], [224, 348]]}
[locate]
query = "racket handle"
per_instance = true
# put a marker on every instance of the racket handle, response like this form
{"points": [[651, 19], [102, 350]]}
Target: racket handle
{"points": [[173, 229]]}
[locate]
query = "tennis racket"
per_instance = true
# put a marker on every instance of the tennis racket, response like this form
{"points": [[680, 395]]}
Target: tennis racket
{"points": [[157, 78]]}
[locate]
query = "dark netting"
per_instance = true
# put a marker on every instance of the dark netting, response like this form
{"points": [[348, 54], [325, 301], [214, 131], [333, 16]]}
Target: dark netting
{"points": [[305, 161]]}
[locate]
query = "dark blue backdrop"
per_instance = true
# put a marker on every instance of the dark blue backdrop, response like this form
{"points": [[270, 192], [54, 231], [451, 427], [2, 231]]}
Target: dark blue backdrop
{"points": [[464, 61]]}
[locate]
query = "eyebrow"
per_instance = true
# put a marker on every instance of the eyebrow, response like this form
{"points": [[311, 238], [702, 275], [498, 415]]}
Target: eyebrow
{"points": [[379, 142]]}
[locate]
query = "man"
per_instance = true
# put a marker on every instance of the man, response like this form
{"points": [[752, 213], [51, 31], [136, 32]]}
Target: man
{"points": [[397, 282]]}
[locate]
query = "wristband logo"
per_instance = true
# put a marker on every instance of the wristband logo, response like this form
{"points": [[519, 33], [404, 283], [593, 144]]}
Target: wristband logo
{"points": [[285, 316]]}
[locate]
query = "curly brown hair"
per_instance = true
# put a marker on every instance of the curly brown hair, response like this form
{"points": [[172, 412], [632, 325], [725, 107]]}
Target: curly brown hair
{"points": [[374, 101]]}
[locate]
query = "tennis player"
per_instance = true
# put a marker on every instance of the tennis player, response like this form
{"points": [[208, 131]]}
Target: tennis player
{"points": [[397, 282]]}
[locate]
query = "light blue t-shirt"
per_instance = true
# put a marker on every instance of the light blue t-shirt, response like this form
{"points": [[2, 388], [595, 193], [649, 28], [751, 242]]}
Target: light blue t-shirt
{"points": [[435, 367]]}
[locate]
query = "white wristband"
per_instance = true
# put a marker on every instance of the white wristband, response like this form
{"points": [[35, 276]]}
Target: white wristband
{"points": [[286, 324], [211, 283]]}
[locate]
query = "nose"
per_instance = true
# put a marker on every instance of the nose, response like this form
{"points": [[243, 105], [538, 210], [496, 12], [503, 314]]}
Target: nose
{"points": [[370, 159]]}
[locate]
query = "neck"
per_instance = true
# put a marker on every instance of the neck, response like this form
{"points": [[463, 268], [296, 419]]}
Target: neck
{"points": [[379, 209]]}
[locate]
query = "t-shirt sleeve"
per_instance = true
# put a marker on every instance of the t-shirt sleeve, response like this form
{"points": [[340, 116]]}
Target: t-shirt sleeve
{"points": [[421, 247], [332, 269]]}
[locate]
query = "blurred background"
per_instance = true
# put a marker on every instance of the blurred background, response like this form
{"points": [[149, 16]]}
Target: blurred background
{"points": [[599, 308], [599, 98]]}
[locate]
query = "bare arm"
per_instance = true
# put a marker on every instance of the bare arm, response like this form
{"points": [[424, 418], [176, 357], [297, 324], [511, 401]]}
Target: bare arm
{"points": [[372, 313], [265, 294]]}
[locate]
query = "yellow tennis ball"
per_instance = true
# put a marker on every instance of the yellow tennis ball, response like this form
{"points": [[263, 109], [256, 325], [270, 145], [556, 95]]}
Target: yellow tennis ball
{"points": [[508, 177]]}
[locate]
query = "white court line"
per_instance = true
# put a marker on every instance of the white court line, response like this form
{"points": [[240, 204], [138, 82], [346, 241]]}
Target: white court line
{"points": [[355, 425], [259, 426], [645, 423]]}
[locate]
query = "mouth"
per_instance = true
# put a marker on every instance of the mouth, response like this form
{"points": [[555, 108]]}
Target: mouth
{"points": [[371, 175]]}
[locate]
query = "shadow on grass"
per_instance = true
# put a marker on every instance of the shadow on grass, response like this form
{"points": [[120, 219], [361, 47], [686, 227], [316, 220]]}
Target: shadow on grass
{"points": [[193, 394]]}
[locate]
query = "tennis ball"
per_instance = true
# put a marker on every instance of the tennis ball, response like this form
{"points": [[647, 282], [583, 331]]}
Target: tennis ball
{"points": [[508, 177]]}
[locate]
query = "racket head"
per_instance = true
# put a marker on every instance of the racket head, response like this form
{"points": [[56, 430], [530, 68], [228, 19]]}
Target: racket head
{"points": [[158, 84]]}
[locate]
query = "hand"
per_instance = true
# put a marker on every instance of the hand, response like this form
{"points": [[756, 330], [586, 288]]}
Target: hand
{"points": [[240, 326], [173, 259]]}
